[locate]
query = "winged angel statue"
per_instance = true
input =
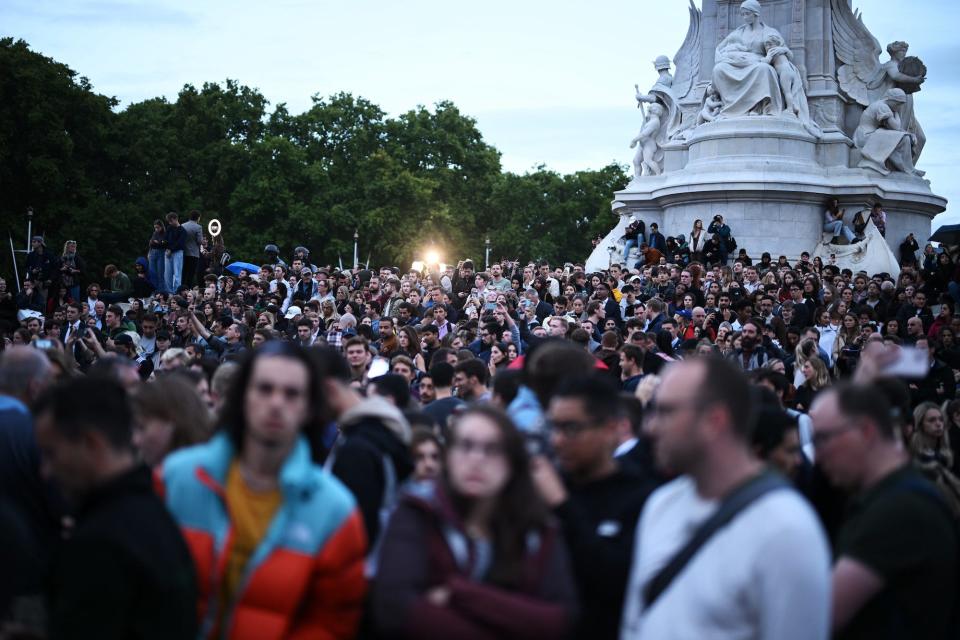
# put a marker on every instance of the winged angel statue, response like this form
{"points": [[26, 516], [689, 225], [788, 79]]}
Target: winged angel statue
{"points": [[669, 121], [866, 80]]}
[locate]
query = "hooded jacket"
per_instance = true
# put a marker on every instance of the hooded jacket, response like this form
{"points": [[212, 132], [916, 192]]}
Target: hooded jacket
{"points": [[372, 433], [304, 580]]}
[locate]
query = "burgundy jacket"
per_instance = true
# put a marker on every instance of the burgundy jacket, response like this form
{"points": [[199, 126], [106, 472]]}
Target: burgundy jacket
{"points": [[425, 547]]}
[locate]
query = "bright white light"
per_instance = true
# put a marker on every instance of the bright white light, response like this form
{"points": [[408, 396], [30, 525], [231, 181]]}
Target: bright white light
{"points": [[433, 257]]}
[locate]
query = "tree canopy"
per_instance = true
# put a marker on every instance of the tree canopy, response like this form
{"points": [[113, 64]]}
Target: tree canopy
{"points": [[100, 175]]}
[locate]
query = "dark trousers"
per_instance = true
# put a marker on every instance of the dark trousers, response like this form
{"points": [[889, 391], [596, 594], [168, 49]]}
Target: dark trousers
{"points": [[189, 270]]}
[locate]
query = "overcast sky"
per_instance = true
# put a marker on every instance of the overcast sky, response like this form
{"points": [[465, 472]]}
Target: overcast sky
{"points": [[549, 81]]}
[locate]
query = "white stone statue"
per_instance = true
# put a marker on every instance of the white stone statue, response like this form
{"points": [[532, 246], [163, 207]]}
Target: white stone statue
{"points": [[791, 83], [662, 93], [748, 84], [863, 77], [884, 145], [710, 106], [670, 90], [649, 157], [754, 73]]}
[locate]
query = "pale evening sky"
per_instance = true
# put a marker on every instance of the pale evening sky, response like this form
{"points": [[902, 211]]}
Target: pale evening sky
{"points": [[549, 82]]}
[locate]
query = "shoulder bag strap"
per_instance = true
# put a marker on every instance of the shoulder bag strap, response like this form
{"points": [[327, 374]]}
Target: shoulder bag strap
{"points": [[732, 505]]}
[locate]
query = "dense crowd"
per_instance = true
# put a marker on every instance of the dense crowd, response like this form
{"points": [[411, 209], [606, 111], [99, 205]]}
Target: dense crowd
{"points": [[689, 444]]}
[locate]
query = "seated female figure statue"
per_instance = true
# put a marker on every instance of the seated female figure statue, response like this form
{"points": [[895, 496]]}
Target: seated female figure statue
{"points": [[883, 144], [742, 76]]}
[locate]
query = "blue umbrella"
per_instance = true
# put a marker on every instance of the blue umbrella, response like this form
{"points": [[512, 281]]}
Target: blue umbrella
{"points": [[235, 267]]}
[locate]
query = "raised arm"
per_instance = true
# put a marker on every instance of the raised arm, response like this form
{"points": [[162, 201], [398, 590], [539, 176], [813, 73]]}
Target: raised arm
{"points": [[199, 328]]}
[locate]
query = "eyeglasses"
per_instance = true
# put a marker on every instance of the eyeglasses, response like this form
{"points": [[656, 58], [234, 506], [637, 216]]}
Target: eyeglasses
{"points": [[466, 446], [822, 437], [664, 410], [568, 428]]}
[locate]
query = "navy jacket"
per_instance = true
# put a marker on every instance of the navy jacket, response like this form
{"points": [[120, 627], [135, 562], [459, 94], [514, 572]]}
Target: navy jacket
{"points": [[175, 239]]}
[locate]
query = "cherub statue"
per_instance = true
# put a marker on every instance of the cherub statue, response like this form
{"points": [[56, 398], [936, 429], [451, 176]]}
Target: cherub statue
{"points": [[780, 58], [712, 104], [649, 157]]}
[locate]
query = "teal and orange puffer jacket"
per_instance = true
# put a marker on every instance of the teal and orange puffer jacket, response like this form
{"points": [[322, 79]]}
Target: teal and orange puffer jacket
{"points": [[306, 578]]}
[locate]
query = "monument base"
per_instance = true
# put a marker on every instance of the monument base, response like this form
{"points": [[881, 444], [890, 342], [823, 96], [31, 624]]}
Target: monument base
{"points": [[771, 180]]}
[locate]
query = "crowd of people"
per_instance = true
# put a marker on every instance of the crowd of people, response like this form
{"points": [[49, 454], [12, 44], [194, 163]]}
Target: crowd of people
{"points": [[683, 447]]}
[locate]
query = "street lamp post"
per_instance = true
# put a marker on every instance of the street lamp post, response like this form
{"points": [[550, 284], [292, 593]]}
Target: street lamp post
{"points": [[610, 251], [487, 259], [14, 251], [356, 238]]}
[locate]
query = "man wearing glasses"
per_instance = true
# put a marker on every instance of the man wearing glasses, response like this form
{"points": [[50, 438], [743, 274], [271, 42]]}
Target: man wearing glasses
{"points": [[896, 554], [765, 573], [597, 501]]}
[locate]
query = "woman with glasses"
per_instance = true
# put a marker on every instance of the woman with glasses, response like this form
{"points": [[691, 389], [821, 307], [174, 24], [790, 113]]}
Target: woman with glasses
{"points": [[475, 554]]}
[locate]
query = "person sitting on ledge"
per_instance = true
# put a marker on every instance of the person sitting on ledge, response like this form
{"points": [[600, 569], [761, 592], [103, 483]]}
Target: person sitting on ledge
{"points": [[833, 222]]}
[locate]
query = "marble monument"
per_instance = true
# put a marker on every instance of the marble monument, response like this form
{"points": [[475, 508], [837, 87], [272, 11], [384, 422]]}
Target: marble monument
{"points": [[772, 108]]}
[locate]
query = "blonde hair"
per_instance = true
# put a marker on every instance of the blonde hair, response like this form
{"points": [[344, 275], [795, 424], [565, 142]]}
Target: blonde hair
{"points": [[821, 377], [173, 358]]}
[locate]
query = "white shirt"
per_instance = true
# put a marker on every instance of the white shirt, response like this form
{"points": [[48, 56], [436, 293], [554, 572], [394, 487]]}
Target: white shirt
{"points": [[828, 335], [149, 345], [70, 329], [624, 447], [764, 576]]}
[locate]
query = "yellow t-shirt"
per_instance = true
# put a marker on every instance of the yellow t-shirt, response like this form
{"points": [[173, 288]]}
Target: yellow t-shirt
{"points": [[250, 514]]}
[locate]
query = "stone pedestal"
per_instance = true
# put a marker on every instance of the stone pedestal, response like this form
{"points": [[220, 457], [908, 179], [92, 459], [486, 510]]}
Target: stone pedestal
{"points": [[767, 175], [771, 181]]}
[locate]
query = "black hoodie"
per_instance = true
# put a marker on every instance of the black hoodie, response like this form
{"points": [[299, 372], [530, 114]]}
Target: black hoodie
{"points": [[370, 431]]}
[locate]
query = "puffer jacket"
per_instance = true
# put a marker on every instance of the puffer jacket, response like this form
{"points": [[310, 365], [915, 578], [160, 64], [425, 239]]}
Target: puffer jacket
{"points": [[305, 579]]}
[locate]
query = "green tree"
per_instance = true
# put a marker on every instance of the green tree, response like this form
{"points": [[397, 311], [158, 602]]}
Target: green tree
{"points": [[423, 178], [53, 134], [545, 215]]}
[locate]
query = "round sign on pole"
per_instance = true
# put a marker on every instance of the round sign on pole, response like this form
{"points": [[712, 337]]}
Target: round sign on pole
{"points": [[214, 227]]}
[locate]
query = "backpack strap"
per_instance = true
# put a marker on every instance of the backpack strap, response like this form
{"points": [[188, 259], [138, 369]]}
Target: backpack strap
{"points": [[732, 505], [388, 503]]}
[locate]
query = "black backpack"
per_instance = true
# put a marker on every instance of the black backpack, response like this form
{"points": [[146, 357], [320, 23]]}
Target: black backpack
{"points": [[731, 243]]}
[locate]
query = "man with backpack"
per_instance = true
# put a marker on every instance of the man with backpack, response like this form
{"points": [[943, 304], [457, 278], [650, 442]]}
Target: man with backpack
{"points": [[723, 236], [896, 568], [371, 455]]}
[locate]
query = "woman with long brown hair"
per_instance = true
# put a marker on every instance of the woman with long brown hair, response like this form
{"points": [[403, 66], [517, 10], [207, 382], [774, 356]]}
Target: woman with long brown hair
{"points": [[698, 238], [409, 345], [475, 554]]}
